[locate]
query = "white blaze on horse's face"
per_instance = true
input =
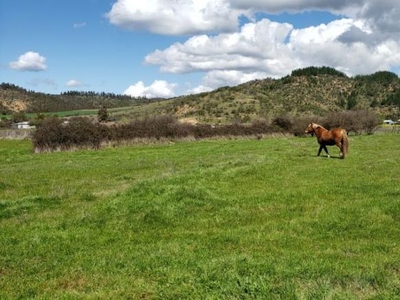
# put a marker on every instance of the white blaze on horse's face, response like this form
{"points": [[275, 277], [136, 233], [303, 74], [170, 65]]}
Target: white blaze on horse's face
{"points": [[310, 128]]}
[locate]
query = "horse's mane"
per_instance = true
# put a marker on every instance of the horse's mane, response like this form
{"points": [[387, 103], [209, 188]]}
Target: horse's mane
{"points": [[316, 126]]}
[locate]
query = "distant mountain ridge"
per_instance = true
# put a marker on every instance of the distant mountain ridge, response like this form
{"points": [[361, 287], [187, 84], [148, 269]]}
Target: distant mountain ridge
{"points": [[305, 92]]}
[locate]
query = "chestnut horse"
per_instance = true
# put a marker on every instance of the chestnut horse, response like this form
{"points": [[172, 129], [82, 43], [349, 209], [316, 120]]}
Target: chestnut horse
{"points": [[325, 137]]}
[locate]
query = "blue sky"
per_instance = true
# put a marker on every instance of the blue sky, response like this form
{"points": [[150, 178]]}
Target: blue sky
{"points": [[166, 48]]}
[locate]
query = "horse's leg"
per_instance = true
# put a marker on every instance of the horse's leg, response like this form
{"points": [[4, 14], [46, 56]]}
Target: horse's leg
{"points": [[326, 150], [320, 149], [341, 150], [340, 145]]}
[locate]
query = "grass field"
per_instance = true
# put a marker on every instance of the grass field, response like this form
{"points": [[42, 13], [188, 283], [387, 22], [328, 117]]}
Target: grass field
{"points": [[220, 219]]}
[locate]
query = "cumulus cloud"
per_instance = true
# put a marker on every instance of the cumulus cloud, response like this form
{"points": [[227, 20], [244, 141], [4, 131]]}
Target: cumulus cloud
{"points": [[271, 49], [158, 89], [199, 89], [382, 15], [262, 42], [258, 50], [30, 61], [218, 78], [364, 40], [74, 83], [175, 17], [323, 45]]}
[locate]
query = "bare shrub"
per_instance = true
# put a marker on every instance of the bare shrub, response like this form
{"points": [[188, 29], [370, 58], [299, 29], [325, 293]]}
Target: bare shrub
{"points": [[202, 131], [335, 119], [54, 134], [366, 120], [49, 136], [82, 132], [283, 123], [261, 127], [356, 121], [300, 124]]}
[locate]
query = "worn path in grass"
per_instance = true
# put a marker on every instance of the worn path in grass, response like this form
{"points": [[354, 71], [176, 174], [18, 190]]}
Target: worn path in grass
{"points": [[210, 219]]}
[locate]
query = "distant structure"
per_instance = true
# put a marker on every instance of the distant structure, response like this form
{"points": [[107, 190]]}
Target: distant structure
{"points": [[22, 125], [389, 122]]}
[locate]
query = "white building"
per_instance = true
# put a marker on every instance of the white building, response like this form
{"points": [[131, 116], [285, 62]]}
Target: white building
{"points": [[389, 122], [22, 125]]}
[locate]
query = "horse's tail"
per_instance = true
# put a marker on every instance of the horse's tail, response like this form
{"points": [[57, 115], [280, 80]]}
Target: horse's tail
{"points": [[345, 143]]}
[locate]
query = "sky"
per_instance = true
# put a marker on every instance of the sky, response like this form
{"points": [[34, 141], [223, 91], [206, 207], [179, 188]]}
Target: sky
{"points": [[168, 48]]}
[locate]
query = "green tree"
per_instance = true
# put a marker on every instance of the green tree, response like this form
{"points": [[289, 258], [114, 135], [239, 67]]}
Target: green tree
{"points": [[352, 100], [38, 120], [102, 114], [19, 117]]}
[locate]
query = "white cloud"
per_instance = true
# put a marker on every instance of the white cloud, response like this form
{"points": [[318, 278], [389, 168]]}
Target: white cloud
{"points": [[262, 42], [30, 61], [199, 89], [158, 89], [258, 50], [175, 17], [271, 49], [321, 34], [218, 78], [365, 40], [379, 14], [322, 45], [74, 83]]}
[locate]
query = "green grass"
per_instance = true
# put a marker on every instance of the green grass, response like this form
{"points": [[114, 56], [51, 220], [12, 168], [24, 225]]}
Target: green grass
{"points": [[233, 219]]}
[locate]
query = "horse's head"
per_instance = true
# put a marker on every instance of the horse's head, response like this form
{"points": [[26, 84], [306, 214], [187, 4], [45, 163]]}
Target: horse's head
{"points": [[311, 128]]}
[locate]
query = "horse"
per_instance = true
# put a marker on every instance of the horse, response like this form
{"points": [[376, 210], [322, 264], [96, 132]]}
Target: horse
{"points": [[325, 137]]}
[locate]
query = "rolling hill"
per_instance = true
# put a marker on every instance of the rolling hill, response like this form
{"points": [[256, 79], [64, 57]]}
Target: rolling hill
{"points": [[305, 92]]}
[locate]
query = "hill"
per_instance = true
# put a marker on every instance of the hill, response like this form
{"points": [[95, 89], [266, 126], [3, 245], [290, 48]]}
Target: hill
{"points": [[16, 99], [301, 94], [305, 92]]}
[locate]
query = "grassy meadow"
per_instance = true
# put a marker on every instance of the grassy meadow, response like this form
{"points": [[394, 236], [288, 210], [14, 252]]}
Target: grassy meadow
{"points": [[217, 219]]}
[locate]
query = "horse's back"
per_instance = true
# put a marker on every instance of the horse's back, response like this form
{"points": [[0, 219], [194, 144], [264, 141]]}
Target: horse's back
{"points": [[339, 132], [331, 137]]}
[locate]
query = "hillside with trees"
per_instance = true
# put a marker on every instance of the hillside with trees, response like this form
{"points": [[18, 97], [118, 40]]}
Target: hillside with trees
{"points": [[16, 99], [306, 92], [313, 91]]}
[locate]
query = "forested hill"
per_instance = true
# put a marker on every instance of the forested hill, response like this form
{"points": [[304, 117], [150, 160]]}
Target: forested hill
{"points": [[14, 98], [308, 91]]}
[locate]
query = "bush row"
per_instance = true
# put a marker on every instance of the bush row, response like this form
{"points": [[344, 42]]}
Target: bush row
{"points": [[55, 134], [354, 121]]}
